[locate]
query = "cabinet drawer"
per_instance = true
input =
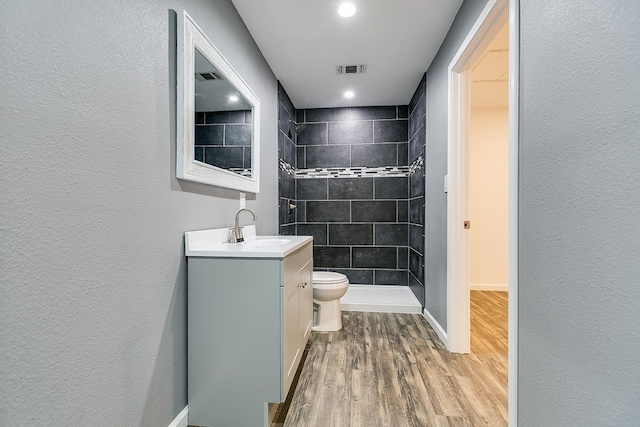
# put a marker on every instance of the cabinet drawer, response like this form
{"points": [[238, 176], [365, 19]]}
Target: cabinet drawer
{"points": [[295, 261]]}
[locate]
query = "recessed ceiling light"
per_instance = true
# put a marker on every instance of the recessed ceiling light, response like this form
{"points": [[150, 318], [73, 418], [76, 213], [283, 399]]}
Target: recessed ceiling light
{"points": [[233, 98], [347, 9], [348, 94]]}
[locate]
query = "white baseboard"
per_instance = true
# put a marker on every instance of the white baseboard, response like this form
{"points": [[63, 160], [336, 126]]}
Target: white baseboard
{"points": [[442, 334], [182, 420], [489, 287]]}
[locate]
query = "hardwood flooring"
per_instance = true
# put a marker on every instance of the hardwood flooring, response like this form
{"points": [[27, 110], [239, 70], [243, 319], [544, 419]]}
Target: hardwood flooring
{"points": [[391, 370]]}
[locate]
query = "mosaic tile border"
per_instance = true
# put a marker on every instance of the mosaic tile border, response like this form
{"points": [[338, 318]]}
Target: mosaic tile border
{"points": [[241, 171], [353, 172]]}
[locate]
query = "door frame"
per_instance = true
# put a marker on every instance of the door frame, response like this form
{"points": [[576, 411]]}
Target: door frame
{"points": [[495, 14]]}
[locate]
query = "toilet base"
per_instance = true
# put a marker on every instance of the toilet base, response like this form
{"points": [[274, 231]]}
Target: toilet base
{"points": [[329, 316]]}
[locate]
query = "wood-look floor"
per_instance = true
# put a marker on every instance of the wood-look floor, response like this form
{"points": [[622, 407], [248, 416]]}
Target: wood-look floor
{"points": [[391, 370]]}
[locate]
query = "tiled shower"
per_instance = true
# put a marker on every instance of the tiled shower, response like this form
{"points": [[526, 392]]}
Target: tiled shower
{"points": [[353, 179]]}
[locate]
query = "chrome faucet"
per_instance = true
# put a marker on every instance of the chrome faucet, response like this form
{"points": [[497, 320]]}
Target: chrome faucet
{"points": [[236, 232]]}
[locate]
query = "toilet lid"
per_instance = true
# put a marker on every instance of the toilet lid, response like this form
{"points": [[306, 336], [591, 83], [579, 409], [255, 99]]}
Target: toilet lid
{"points": [[328, 277]]}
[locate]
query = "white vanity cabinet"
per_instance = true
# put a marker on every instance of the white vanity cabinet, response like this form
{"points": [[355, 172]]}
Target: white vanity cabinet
{"points": [[297, 318], [249, 319]]}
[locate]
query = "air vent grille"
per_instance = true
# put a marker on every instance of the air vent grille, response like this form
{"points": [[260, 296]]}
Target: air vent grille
{"points": [[208, 76], [351, 69]]}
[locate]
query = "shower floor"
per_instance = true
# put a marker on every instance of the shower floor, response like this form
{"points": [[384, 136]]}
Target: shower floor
{"points": [[380, 298]]}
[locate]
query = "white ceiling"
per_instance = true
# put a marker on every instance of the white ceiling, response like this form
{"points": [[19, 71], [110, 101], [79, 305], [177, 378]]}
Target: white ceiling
{"points": [[304, 40], [490, 74]]}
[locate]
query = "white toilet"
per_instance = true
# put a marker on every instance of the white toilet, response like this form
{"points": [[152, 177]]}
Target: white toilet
{"points": [[328, 288]]}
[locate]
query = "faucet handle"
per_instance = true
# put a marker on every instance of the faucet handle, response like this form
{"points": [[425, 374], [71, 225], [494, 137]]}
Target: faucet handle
{"points": [[235, 236]]}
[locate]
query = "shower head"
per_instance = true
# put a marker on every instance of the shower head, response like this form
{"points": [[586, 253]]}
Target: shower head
{"points": [[299, 126]]}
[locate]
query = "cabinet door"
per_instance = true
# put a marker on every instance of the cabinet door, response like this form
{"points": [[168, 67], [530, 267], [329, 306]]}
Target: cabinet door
{"points": [[306, 303], [290, 331]]}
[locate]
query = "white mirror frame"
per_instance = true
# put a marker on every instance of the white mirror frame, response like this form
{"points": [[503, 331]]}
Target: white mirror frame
{"points": [[190, 37]]}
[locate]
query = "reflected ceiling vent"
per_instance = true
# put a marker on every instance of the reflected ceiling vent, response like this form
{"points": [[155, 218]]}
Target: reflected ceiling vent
{"points": [[208, 76], [351, 69]]}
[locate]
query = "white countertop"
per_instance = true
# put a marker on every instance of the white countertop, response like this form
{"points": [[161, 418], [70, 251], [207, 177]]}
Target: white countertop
{"points": [[214, 243]]}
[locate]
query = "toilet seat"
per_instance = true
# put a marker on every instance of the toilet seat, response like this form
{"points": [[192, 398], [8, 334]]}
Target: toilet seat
{"points": [[328, 278]]}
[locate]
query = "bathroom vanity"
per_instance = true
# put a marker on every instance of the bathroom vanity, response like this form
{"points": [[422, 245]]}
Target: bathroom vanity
{"points": [[250, 308]]}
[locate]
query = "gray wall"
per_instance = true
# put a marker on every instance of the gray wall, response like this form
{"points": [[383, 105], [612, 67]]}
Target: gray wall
{"points": [[579, 286], [93, 294], [436, 161]]}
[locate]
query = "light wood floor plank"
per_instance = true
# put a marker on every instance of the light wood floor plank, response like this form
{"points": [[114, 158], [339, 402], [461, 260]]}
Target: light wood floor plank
{"points": [[385, 369]]}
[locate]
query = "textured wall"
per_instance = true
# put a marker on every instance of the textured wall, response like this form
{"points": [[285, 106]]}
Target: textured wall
{"points": [[579, 285], [93, 295], [436, 161]]}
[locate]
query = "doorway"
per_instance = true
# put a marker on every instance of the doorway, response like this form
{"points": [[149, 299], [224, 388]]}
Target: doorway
{"points": [[494, 17]]}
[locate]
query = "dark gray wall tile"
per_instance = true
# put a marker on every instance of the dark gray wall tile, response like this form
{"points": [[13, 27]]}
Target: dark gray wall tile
{"points": [[373, 113], [288, 151], [224, 157], [403, 154], [417, 183], [403, 111], [391, 131], [416, 211], [328, 156], [246, 157], [351, 188], [311, 189], [374, 155], [218, 117], [415, 265], [331, 256], [313, 134], [199, 154], [199, 118], [285, 215], [391, 187], [392, 234], [391, 277], [237, 135], [350, 234], [403, 211], [351, 132], [287, 185], [374, 257], [301, 211], [358, 277], [378, 211], [327, 114], [288, 230], [416, 238], [416, 145], [209, 135], [417, 117], [403, 257], [301, 154], [318, 231], [328, 211]]}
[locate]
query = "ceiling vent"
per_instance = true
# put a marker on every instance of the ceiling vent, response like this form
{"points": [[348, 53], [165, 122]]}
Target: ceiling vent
{"points": [[351, 69], [208, 76]]}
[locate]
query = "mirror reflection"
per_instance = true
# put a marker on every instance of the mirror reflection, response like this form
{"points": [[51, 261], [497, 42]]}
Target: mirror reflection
{"points": [[223, 121]]}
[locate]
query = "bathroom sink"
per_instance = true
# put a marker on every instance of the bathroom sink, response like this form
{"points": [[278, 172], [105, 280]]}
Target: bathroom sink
{"points": [[215, 243], [268, 242]]}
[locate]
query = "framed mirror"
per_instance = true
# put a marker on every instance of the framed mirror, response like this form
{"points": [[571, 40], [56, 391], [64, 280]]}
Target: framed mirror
{"points": [[218, 116]]}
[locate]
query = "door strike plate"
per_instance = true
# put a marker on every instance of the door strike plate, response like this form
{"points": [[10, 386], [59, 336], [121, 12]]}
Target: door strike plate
{"points": [[467, 225]]}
